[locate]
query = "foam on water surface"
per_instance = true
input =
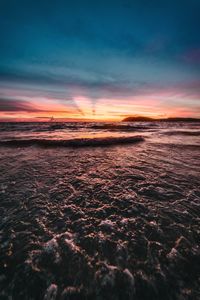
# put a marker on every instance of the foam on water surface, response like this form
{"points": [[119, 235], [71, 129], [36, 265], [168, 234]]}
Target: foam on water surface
{"points": [[102, 223]]}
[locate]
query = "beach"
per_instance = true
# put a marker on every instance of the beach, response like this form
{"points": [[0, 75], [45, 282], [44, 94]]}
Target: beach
{"points": [[100, 220]]}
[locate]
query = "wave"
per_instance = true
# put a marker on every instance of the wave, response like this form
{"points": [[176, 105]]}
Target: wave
{"points": [[45, 127], [38, 126], [182, 146], [80, 142], [182, 132], [114, 127]]}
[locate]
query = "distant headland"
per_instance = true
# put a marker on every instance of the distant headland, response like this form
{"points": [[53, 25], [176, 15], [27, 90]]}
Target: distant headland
{"points": [[147, 119]]}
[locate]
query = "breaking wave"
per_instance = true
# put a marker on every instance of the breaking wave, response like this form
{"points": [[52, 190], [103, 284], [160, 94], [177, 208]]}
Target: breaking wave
{"points": [[79, 142]]}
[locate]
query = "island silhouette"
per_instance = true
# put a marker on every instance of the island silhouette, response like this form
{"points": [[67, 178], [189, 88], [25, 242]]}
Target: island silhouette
{"points": [[148, 119]]}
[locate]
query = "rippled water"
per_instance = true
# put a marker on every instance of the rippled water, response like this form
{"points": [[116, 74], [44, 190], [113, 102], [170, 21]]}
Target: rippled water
{"points": [[119, 222]]}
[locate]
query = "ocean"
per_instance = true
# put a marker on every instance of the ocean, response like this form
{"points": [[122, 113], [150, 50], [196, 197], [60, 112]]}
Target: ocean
{"points": [[100, 211]]}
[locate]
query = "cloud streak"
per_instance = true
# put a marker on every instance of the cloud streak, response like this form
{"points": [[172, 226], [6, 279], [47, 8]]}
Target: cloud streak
{"points": [[7, 105]]}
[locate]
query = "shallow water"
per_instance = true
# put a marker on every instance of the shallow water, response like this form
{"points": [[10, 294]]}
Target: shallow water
{"points": [[120, 222]]}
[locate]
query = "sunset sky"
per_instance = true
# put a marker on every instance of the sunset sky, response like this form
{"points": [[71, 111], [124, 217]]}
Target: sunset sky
{"points": [[99, 60]]}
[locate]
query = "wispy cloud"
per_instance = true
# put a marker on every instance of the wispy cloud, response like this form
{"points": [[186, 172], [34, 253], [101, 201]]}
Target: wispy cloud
{"points": [[7, 105]]}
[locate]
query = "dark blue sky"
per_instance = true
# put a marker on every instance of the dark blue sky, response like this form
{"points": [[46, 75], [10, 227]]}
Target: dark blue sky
{"points": [[99, 59]]}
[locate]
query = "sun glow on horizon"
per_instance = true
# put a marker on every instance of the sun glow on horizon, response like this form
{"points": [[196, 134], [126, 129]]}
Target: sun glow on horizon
{"points": [[81, 108]]}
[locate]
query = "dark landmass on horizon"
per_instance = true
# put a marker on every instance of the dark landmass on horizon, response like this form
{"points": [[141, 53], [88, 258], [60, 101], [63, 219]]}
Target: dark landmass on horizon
{"points": [[147, 119]]}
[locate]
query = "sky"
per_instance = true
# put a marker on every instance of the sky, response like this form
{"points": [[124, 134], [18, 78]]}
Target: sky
{"points": [[99, 60]]}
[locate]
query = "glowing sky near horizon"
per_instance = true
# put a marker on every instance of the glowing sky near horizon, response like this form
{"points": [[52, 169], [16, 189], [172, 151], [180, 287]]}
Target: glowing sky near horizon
{"points": [[99, 60]]}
